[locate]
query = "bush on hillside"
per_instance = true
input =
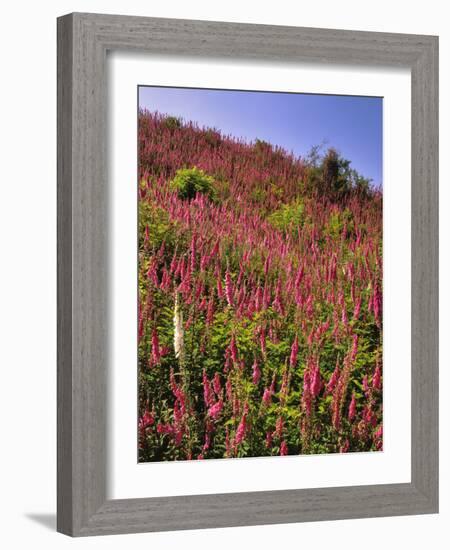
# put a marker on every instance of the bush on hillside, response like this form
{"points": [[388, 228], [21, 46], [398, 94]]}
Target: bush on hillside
{"points": [[190, 181], [172, 122], [289, 217]]}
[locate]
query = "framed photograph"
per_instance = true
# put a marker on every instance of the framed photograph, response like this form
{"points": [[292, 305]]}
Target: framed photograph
{"points": [[247, 274]]}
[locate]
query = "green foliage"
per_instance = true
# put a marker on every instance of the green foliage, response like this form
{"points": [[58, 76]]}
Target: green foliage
{"points": [[337, 221], [262, 146], [173, 122], [212, 137], [267, 153], [221, 186], [289, 217], [258, 195], [158, 223], [330, 175], [190, 181], [276, 190]]}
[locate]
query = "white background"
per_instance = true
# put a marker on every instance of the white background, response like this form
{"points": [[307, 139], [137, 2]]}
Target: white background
{"points": [[127, 479], [28, 272]]}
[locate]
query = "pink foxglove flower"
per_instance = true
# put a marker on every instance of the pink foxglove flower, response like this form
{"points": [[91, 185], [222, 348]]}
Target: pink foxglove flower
{"points": [[267, 265], [377, 304], [334, 379], [141, 327], [228, 447], [262, 340], [267, 397], [259, 299], [193, 251], [207, 392], [233, 350], [294, 352], [146, 420], [256, 373], [306, 395], [229, 291], [316, 381], [357, 310], [352, 408], [156, 354], [229, 389], [220, 292], [344, 318], [215, 249], [240, 432], [215, 410], [336, 416], [369, 415], [164, 428], [354, 351], [279, 427], [299, 277], [365, 383], [217, 383], [376, 381], [210, 311]]}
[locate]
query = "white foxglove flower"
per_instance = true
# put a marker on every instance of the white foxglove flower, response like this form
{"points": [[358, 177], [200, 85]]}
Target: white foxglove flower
{"points": [[178, 338]]}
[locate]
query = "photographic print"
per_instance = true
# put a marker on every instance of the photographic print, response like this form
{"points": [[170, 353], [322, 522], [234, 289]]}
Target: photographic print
{"points": [[260, 274]]}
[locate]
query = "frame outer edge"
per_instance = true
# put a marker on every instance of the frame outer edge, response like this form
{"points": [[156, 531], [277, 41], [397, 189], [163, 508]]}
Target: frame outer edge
{"points": [[284, 44], [90, 274], [82, 278], [260, 508], [64, 274], [425, 273]]}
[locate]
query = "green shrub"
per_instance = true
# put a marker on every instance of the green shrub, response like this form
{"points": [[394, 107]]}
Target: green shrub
{"points": [[337, 221], [190, 181], [172, 122], [289, 217], [160, 228], [212, 137], [262, 145]]}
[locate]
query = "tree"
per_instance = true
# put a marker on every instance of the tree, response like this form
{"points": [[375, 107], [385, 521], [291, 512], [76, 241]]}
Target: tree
{"points": [[331, 176]]}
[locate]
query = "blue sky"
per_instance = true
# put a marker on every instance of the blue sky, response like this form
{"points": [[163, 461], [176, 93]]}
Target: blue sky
{"points": [[351, 124]]}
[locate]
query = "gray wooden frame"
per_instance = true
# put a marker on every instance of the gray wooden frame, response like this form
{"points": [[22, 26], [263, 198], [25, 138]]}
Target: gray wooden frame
{"points": [[83, 40]]}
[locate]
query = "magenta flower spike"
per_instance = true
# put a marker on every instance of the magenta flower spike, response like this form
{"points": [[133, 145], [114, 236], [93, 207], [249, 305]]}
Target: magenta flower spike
{"points": [[156, 354], [229, 289], [294, 352], [352, 408], [376, 381], [256, 373], [316, 382], [215, 410], [334, 379]]}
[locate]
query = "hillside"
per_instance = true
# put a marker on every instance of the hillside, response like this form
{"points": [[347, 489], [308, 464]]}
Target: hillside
{"points": [[260, 295]]}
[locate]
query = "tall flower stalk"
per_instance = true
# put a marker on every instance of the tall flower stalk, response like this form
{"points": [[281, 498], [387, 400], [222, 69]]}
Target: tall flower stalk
{"points": [[178, 330]]}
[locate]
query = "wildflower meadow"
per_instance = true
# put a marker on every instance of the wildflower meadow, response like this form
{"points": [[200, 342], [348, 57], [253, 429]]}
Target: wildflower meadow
{"points": [[260, 298]]}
